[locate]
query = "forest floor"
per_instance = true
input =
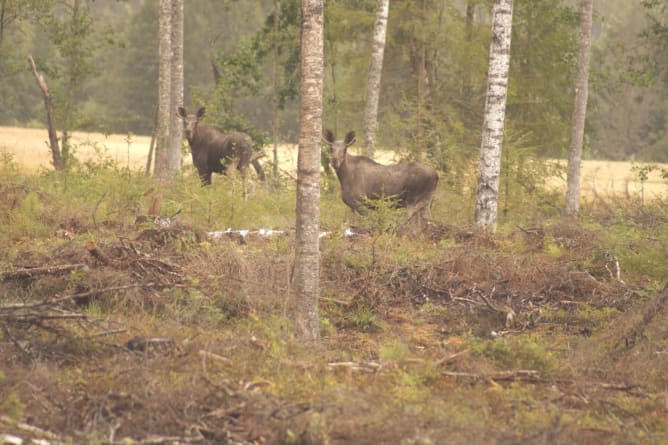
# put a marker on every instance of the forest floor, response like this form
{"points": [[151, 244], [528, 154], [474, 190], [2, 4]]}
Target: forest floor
{"points": [[116, 328]]}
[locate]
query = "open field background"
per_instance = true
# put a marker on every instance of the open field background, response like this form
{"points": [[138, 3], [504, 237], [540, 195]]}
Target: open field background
{"points": [[28, 147]]}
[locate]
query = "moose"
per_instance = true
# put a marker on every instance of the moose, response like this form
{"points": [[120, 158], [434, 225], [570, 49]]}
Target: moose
{"points": [[216, 151], [412, 183]]}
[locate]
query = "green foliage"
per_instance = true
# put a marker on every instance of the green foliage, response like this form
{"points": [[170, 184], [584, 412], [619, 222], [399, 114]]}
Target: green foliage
{"points": [[640, 248], [525, 352], [542, 72], [363, 319], [584, 316], [12, 406], [381, 216]]}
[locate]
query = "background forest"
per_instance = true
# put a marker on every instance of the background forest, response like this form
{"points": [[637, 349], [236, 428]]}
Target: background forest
{"points": [[102, 68]]}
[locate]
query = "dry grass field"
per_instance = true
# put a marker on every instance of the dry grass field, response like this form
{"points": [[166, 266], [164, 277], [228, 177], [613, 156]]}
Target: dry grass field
{"points": [[28, 148]]}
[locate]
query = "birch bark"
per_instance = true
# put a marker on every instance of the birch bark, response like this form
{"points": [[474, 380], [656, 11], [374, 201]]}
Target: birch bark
{"points": [[307, 249], [487, 194], [375, 74], [579, 109]]}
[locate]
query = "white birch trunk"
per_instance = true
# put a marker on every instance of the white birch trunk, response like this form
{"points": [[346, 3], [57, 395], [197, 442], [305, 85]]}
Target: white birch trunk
{"points": [[176, 88], [164, 89], [487, 195], [307, 250], [375, 72], [579, 109]]}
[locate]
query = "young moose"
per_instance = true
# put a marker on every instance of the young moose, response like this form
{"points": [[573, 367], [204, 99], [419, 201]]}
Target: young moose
{"points": [[412, 183], [213, 150]]}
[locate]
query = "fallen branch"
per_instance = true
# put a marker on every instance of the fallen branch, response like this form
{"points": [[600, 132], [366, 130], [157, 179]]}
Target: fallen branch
{"points": [[370, 367], [34, 271], [519, 375], [55, 301], [207, 354], [28, 428], [451, 357]]}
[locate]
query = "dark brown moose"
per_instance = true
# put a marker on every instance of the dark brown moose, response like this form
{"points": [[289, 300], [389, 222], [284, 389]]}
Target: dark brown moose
{"points": [[412, 183], [216, 151]]}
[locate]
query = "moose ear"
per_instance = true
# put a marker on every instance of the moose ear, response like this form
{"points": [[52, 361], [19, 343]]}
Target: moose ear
{"points": [[181, 112], [350, 139], [200, 112], [329, 137]]}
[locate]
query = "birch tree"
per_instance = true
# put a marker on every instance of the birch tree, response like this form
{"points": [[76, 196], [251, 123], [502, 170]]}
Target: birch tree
{"points": [[487, 194], [274, 86], [164, 89], [579, 109], [176, 88], [307, 249], [375, 71]]}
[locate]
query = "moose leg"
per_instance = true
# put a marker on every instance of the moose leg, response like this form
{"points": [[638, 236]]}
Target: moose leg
{"points": [[244, 181], [231, 167], [205, 177]]}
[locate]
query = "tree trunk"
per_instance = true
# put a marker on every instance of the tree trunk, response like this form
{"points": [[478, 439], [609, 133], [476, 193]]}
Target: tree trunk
{"points": [[58, 162], [151, 146], [176, 88], [579, 109], [164, 89], [468, 37], [3, 8], [421, 85], [274, 87], [375, 71], [307, 252], [487, 195]]}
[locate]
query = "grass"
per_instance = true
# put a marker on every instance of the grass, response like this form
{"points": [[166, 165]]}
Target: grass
{"points": [[416, 348], [28, 148]]}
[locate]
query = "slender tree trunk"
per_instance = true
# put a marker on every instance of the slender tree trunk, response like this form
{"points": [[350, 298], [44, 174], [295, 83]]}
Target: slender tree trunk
{"points": [[3, 8], [164, 89], [307, 250], [468, 37], [375, 71], [274, 87], [73, 62], [487, 195], [421, 85], [579, 109], [334, 100], [176, 88], [58, 162]]}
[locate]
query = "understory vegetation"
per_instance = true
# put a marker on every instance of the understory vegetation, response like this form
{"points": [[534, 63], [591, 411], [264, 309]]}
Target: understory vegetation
{"points": [[117, 327]]}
